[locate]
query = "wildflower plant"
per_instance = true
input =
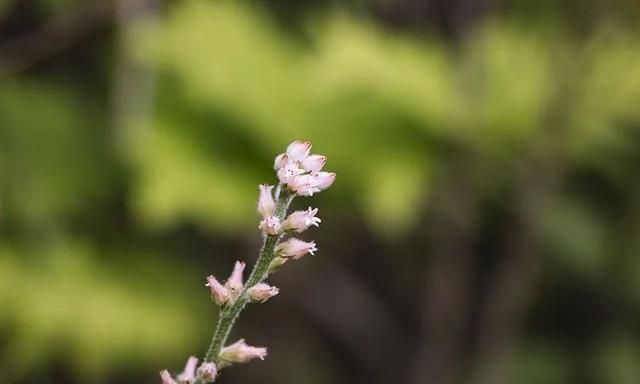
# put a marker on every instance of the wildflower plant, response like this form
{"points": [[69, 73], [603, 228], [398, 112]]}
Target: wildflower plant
{"points": [[299, 174]]}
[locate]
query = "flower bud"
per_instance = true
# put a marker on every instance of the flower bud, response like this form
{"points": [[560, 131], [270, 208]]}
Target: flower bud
{"points": [[166, 378], [270, 225], [313, 163], [323, 180], [295, 248], [188, 376], [208, 372], [234, 284], [261, 292], [266, 205], [301, 220], [276, 264], [298, 151], [240, 352], [280, 161], [219, 293], [288, 172], [303, 185]]}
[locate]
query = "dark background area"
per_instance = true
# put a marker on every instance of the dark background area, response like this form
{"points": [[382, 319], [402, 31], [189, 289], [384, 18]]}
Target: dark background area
{"points": [[484, 226]]}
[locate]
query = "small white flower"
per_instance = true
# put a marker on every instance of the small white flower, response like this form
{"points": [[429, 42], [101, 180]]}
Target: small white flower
{"points": [[235, 282], [219, 293], [208, 372], [288, 172], [295, 248], [240, 352], [323, 180], [301, 220], [188, 376], [280, 161], [266, 205], [298, 151], [313, 163], [166, 378], [261, 292], [303, 185], [270, 225]]}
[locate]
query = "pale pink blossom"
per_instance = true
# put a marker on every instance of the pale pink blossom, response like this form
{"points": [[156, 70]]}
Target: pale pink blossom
{"points": [[295, 248], [303, 185], [298, 150], [313, 163], [240, 352], [266, 205], [219, 293], [235, 282], [208, 372], [280, 161], [270, 225], [288, 172], [323, 180], [188, 376], [166, 378], [261, 292], [301, 220]]}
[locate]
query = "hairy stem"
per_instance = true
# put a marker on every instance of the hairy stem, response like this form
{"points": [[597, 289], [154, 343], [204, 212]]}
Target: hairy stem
{"points": [[230, 313]]}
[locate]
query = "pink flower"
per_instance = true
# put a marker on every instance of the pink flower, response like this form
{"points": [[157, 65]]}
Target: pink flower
{"points": [[261, 292], [188, 376], [280, 161], [289, 171], [240, 352], [270, 225], [208, 372], [295, 248], [303, 185], [219, 293], [266, 205], [301, 220], [234, 284], [313, 163], [166, 378], [323, 180], [298, 151]]}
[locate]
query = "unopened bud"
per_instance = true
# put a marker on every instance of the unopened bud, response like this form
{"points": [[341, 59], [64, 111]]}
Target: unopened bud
{"points": [[280, 161], [261, 292], [313, 163], [166, 378], [298, 151], [240, 352], [219, 293], [266, 205], [235, 282], [276, 264], [188, 376]]}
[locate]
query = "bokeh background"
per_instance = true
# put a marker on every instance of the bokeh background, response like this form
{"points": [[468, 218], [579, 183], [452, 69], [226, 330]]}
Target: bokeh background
{"points": [[484, 227]]}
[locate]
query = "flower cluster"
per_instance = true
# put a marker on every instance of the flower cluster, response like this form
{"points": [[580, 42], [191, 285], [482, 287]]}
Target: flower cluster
{"points": [[300, 174]]}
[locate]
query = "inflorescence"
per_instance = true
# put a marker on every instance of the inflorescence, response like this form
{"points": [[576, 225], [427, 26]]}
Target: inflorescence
{"points": [[300, 174]]}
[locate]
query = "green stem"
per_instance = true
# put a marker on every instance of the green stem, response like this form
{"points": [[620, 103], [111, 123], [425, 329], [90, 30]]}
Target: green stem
{"points": [[229, 314]]}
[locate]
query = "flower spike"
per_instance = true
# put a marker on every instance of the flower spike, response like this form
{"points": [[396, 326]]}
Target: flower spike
{"points": [[299, 173]]}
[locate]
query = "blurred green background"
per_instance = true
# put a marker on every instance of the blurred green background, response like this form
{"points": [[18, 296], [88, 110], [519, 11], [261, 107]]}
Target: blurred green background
{"points": [[484, 227]]}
